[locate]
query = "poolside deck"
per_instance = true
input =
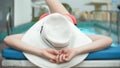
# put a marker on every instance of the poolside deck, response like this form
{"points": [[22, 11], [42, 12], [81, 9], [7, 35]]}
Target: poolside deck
{"points": [[2, 45]]}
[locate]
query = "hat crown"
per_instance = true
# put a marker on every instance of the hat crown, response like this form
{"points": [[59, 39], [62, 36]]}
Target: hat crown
{"points": [[56, 31]]}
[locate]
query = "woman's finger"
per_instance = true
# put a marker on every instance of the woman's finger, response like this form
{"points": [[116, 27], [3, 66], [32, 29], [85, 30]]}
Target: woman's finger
{"points": [[64, 57], [50, 56], [67, 58], [53, 61], [61, 58], [60, 52], [57, 59], [53, 51]]}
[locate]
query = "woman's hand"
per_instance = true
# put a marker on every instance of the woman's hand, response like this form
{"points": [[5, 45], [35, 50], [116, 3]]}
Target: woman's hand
{"points": [[65, 55], [58, 56], [49, 54]]}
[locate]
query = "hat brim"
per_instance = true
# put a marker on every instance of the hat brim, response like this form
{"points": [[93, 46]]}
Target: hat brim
{"points": [[32, 37]]}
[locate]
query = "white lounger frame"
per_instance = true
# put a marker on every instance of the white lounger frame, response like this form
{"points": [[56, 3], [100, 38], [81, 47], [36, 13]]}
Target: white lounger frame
{"points": [[84, 64]]}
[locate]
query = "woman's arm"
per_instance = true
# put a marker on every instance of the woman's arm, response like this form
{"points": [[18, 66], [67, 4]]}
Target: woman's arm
{"points": [[15, 42], [56, 7], [99, 42]]}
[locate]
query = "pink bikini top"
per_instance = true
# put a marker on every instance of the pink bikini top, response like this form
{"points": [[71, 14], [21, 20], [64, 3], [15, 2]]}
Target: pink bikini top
{"points": [[71, 16]]}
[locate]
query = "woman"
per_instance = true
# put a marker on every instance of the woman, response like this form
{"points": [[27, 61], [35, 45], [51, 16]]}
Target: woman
{"points": [[63, 55]]}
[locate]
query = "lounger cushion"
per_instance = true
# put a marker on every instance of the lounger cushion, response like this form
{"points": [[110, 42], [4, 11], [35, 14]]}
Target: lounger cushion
{"points": [[113, 52], [106, 54]]}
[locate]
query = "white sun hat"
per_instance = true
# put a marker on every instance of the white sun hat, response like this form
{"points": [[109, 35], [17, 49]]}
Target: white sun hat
{"points": [[55, 31]]}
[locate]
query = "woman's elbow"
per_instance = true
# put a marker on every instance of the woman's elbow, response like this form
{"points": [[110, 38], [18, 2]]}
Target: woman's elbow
{"points": [[109, 40], [5, 39]]}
